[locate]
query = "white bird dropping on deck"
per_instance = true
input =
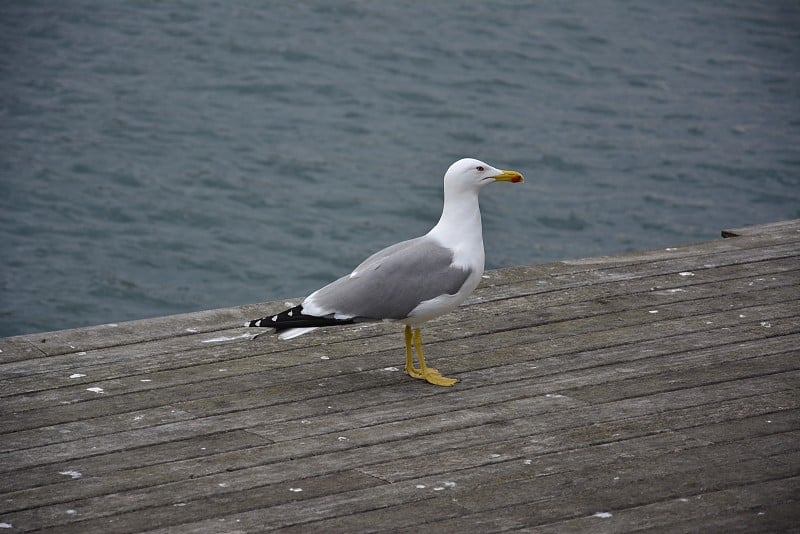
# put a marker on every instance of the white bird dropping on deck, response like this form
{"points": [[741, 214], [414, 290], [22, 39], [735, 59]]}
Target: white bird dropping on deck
{"points": [[412, 281]]}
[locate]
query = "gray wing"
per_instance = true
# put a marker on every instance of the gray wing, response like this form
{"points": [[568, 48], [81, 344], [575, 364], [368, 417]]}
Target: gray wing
{"points": [[392, 282]]}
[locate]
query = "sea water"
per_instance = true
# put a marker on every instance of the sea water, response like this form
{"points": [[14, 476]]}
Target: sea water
{"points": [[163, 157]]}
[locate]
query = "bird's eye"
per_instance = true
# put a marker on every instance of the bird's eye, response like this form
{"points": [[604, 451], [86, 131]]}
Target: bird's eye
{"points": [[480, 168]]}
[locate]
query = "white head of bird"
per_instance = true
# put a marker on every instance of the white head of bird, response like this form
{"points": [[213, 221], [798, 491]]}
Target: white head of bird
{"points": [[470, 174]]}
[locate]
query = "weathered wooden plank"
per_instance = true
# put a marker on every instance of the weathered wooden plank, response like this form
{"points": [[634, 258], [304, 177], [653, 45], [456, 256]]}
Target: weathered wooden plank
{"points": [[547, 499], [546, 440], [780, 228], [249, 363], [768, 506], [759, 507], [675, 370], [358, 458], [773, 364], [660, 516], [94, 356], [99, 514], [197, 449], [575, 428], [773, 516], [507, 488], [127, 333], [416, 441], [710, 255], [140, 419], [323, 404], [18, 349], [175, 348]]}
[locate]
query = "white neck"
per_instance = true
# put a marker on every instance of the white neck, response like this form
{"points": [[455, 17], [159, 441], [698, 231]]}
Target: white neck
{"points": [[459, 228]]}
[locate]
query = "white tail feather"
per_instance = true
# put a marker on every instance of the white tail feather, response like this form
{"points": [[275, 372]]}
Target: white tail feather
{"points": [[295, 332]]}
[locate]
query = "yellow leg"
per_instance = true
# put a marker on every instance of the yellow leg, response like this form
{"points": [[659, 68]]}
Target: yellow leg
{"points": [[429, 374], [412, 371]]}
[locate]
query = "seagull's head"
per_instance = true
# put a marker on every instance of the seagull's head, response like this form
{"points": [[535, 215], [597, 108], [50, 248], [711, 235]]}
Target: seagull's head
{"points": [[472, 174]]}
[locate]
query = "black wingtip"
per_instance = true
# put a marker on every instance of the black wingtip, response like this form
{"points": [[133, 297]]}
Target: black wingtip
{"points": [[295, 318], [279, 321], [263, 322]]}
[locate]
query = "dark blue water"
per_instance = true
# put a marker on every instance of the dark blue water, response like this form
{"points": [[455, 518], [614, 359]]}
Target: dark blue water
{"points": [[161, 157]]}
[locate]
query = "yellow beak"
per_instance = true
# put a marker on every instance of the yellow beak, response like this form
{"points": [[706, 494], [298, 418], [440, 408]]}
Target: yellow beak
{"points": [[509, 176]]}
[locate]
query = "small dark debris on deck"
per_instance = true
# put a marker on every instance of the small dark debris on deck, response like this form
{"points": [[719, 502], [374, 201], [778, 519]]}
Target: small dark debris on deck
{"points": [[654, 390]]}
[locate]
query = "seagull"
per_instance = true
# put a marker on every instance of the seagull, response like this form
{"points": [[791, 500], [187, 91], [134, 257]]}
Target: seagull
{"points": [[412, 281]]}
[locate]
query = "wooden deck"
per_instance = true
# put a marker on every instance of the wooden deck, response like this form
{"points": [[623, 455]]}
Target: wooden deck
{"points": [[652, 391]]}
